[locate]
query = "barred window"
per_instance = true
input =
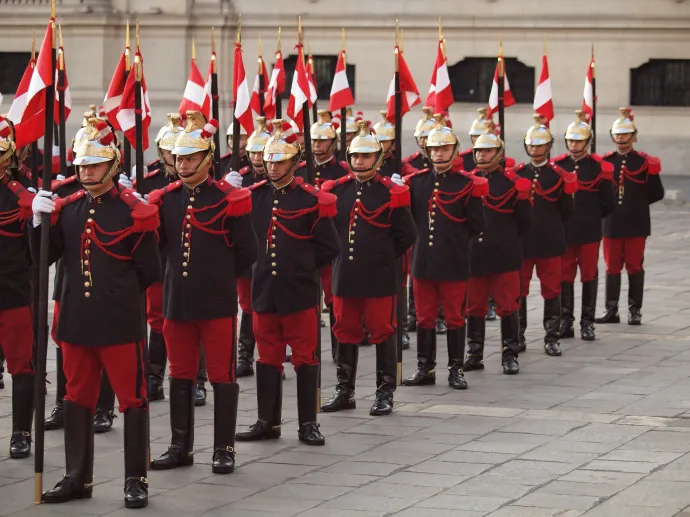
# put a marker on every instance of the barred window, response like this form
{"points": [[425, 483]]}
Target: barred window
{"points": [[661, 82], [13, 65], [472, 77], [324, 70]]}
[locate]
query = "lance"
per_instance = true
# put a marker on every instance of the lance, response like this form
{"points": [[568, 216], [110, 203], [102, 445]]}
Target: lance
{"points": [[126, 148], [262, 86], [61, 106], [235, 122], [215, 106], [398, 167], [594, 104], [343, 112], [310, 71], [279, 96], [138, 123], [501, 91], [43, 280]]}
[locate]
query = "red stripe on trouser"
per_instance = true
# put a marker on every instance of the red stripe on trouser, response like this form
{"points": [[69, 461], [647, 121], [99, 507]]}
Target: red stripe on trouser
{"points": [[274, 331], [53, 326], [244, 293], [549, 271], [624, 252], [505, 288], [378, 315], [326, 276], [154, 306], [584, 256], [429, 294], [16, 338]]}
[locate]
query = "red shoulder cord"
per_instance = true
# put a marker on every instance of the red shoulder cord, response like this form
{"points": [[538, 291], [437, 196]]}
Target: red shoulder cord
{"points": [[358, 210], [289, 215], [590, 186], [500, 202], [436, 199], [546, 194], [6, 219], [190, 221], [633, 175]]}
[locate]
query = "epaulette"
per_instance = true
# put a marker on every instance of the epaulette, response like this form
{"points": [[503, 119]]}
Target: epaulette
{"points": [[62, 202], [57, 184], [326, 200], [509, 173], [413, 156], [301, 164], [256, 185], [343, 164], [417, 172], [519, 167], [226, 155], [239, 199], [559, 158], [510, 162], [245, 170], [329, 185], [569, 180], [152, 173], [465, 152], [153, 164], [145, 215], [400, 194], [480, 185], [155, 196], [523, 187], [653, 163], [609, 154], [606, 167], [24, 197]]}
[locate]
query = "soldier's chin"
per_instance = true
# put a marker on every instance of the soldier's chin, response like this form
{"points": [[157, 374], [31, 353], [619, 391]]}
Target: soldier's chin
{"points": [[186, 174], [90, 183]]}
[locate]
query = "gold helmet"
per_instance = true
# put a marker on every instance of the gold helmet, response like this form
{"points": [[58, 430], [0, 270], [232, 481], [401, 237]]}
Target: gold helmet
{"points": [[350, 122], [385, 131], [579, 129], [481, 124], [426, 123], [7, 145], [323, 129], [98, 146], [489, 140], [363, 143], [230, 129], [167, 136], [283, 144], [257, 140], [442, 135], [89, 114], [197, 135], [624, 124]]}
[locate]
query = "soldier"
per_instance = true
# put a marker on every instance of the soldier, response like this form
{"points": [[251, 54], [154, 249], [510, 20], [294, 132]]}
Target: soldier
{"points": [[447, 209], [496, 257], [385, 134], [226, 159], [636, 176], [106, 238], [200, 290], [544, 244], [296, 238], [594, 200], [375, 228], [16, 326]]}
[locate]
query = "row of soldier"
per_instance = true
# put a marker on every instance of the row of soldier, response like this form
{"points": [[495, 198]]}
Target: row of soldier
{"points": [[468, 225]]}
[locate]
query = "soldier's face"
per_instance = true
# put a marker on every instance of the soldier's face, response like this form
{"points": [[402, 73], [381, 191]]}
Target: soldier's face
{"points": [[188, 169], [485, 157], [624, 142], [322, 148], [280, 172], [169, 161], [257, 161], [441, 154], [363, 165], [537, 151], [577, 147], [243, 144], [91, 176]]}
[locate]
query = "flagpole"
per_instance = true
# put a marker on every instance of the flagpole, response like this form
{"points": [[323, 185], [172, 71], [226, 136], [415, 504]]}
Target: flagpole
{"points": [[138, 126], [126, 148], [398, 167], [215, 108], [501, 92], [235, 122], [35, 158], [43, 281], [343, 112], [61, 107], [594, 104], [279, 97], [310, 69], [262, 86]]}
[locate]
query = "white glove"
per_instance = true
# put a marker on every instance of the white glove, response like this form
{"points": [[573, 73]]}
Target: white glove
{"points": [[125, 182], [60, 177], [397, 179], [143, 199], [134, 171], [43, 203], [234, 178], [32, 190]]}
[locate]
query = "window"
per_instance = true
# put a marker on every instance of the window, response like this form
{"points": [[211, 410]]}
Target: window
{"points": [[661, 82], [13, 65], [472, 77], [324, 70]]}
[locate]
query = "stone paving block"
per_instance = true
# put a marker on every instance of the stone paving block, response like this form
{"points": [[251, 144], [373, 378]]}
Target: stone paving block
{"points": [[473, 410], [642, 467], [474, 457], [602, 476], [386, 488], [612, 508], [529, 472], [473, 503], [436, 512], [672, 494], [427, 435], [486, 486], [558, 501], [450, 468], [606, 433], [623, 454], [366, 503], [255, 502], [303, 458], [545, 427], [312, 492], [424, 479], [330, 479], [661, 441], [577, 488], [318, 512], [362, 467], [553, 454]]}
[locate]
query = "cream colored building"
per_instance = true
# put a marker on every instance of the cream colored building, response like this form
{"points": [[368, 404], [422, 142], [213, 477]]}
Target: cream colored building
{"points": [[626, 34]]}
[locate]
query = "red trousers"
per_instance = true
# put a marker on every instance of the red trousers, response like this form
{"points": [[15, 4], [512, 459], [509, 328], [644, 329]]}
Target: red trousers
{"points": [[549, 271], [154, 306], [326, 275], [504, 287], [53, 327], [624, 252], [378, 315], [586, 256], [16, 339], [124, 365], [219, 337], [274, 332], [429, 294], [244, 293]]}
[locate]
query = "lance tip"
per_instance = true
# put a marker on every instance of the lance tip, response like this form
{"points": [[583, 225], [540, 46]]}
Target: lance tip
{"points": [[136, 34], [52, 9], [33, 44]]}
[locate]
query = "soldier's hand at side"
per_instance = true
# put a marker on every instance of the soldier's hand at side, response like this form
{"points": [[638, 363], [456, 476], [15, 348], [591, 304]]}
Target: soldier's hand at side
{"points": [[43, 203], [397, 179], [234, 178]]}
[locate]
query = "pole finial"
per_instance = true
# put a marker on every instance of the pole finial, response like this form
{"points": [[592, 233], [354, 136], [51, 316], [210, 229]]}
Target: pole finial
{"points": [[280, 44], [61, 53], [260, 47], [440, 29], [397, 33], [239, 30], [500, 45], [299, 30], [127, 35], [343, 38], [52, 9], [213, 40], [33, 44], [545, 44], [193, 49], [136, 34]]}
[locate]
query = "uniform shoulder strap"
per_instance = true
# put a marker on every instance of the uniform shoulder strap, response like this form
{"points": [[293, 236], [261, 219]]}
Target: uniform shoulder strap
{"points": [[653, 163], [329, 185], [510, 162], [413, 156], [519, 167], [155, 196], [325, 200], [152, 173], [465, 152], [480, 185], [56, 184], [144, 215], [609, 154], [344, 165], [414, 173], [559, 158], [257, 185], [239, 199], [245, 170], [301, 164], [62, 202], [605, 167], [24, 199], [226, 155], [400, 194]]}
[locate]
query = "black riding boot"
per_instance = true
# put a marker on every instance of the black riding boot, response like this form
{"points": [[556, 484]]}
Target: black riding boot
{"points": [[307, 405], [566, 329], [105, 408], [523, 323], [136, 455], [56, 418], [245, 347], [346, 373], [269, 396], [226, 398], [456, 355], [476, 330], [157, 358], [613, 294], [552, 320], [77, 483], [201, 378], [426, 359], [510, 343], [22, 414], [181, 450], [491, 313], [441, 322], [412, 311], [334, 341], [386, 377], [589, 307], [635, 293], [2, 369]]}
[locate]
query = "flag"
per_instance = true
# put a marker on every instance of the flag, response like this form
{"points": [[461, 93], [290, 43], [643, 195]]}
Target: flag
{"points": [[341, 94], [408, 88], [255, 101], [313, 94], [588, 95], [508, 99], [113, 97], [19, 104], [193, 97], [275, 87], [240, 92], [207, 106], [440, 93], [64, 91], [543, 98], [125, 115], [299, 93]]}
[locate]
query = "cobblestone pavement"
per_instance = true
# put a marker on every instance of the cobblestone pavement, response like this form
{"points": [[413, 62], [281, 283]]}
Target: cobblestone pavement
{"points": [[602, 431]]}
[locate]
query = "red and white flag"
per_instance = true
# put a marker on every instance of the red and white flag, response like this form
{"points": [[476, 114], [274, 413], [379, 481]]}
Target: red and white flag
{"points": [[193, 97], [440, 93], [255, 101], [275, 87], [543, 98], [299, 93], [125, 115], [207, 106], [113, 97], [240, 92], [19, 104], [588, 99], [508, 99], [64, 90], [341, 94], [408, 89], [313, 92]]}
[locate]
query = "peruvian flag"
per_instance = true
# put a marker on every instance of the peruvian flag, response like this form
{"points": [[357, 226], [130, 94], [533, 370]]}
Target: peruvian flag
{"points": [[440, 93], [300, 91], [240, 92], [543, 98], [113, 98], [207, 106], [341, 94], [193, 97], [588, 95], [125, 115], [508, 99], [313, 94], [19, 104], [255, 101], [64, 90], [408, 88], [275, 87]]}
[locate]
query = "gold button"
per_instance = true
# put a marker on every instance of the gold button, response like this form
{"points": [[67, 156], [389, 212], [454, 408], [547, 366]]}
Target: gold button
{"points": [[86, 262], [273, 245], [273, 264], [186, 245], [88, 241], [431, 244], [191, 200], [431, 229], [275, 218], [433, 205], [480, 239], [189, 216], [185, 254], [274, 273], [92, 211], [352, 233], [620, 202], [87, 284], [435, 190], [184, 274], [356, 209], [623, 162], [184, 264], [351, 257], [89, 220], [88, 230], [431, 221], [437, 184], [275, 201], [186, 235], [274, 208], [188, 226], [189, 206], [536, 175], [357, 200], [431, 237], [351, 250], [86, 273], [273, 254], [359, 192], [318, 174], [87, 294], [577, 167], [87, 252], [354, 224]]}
